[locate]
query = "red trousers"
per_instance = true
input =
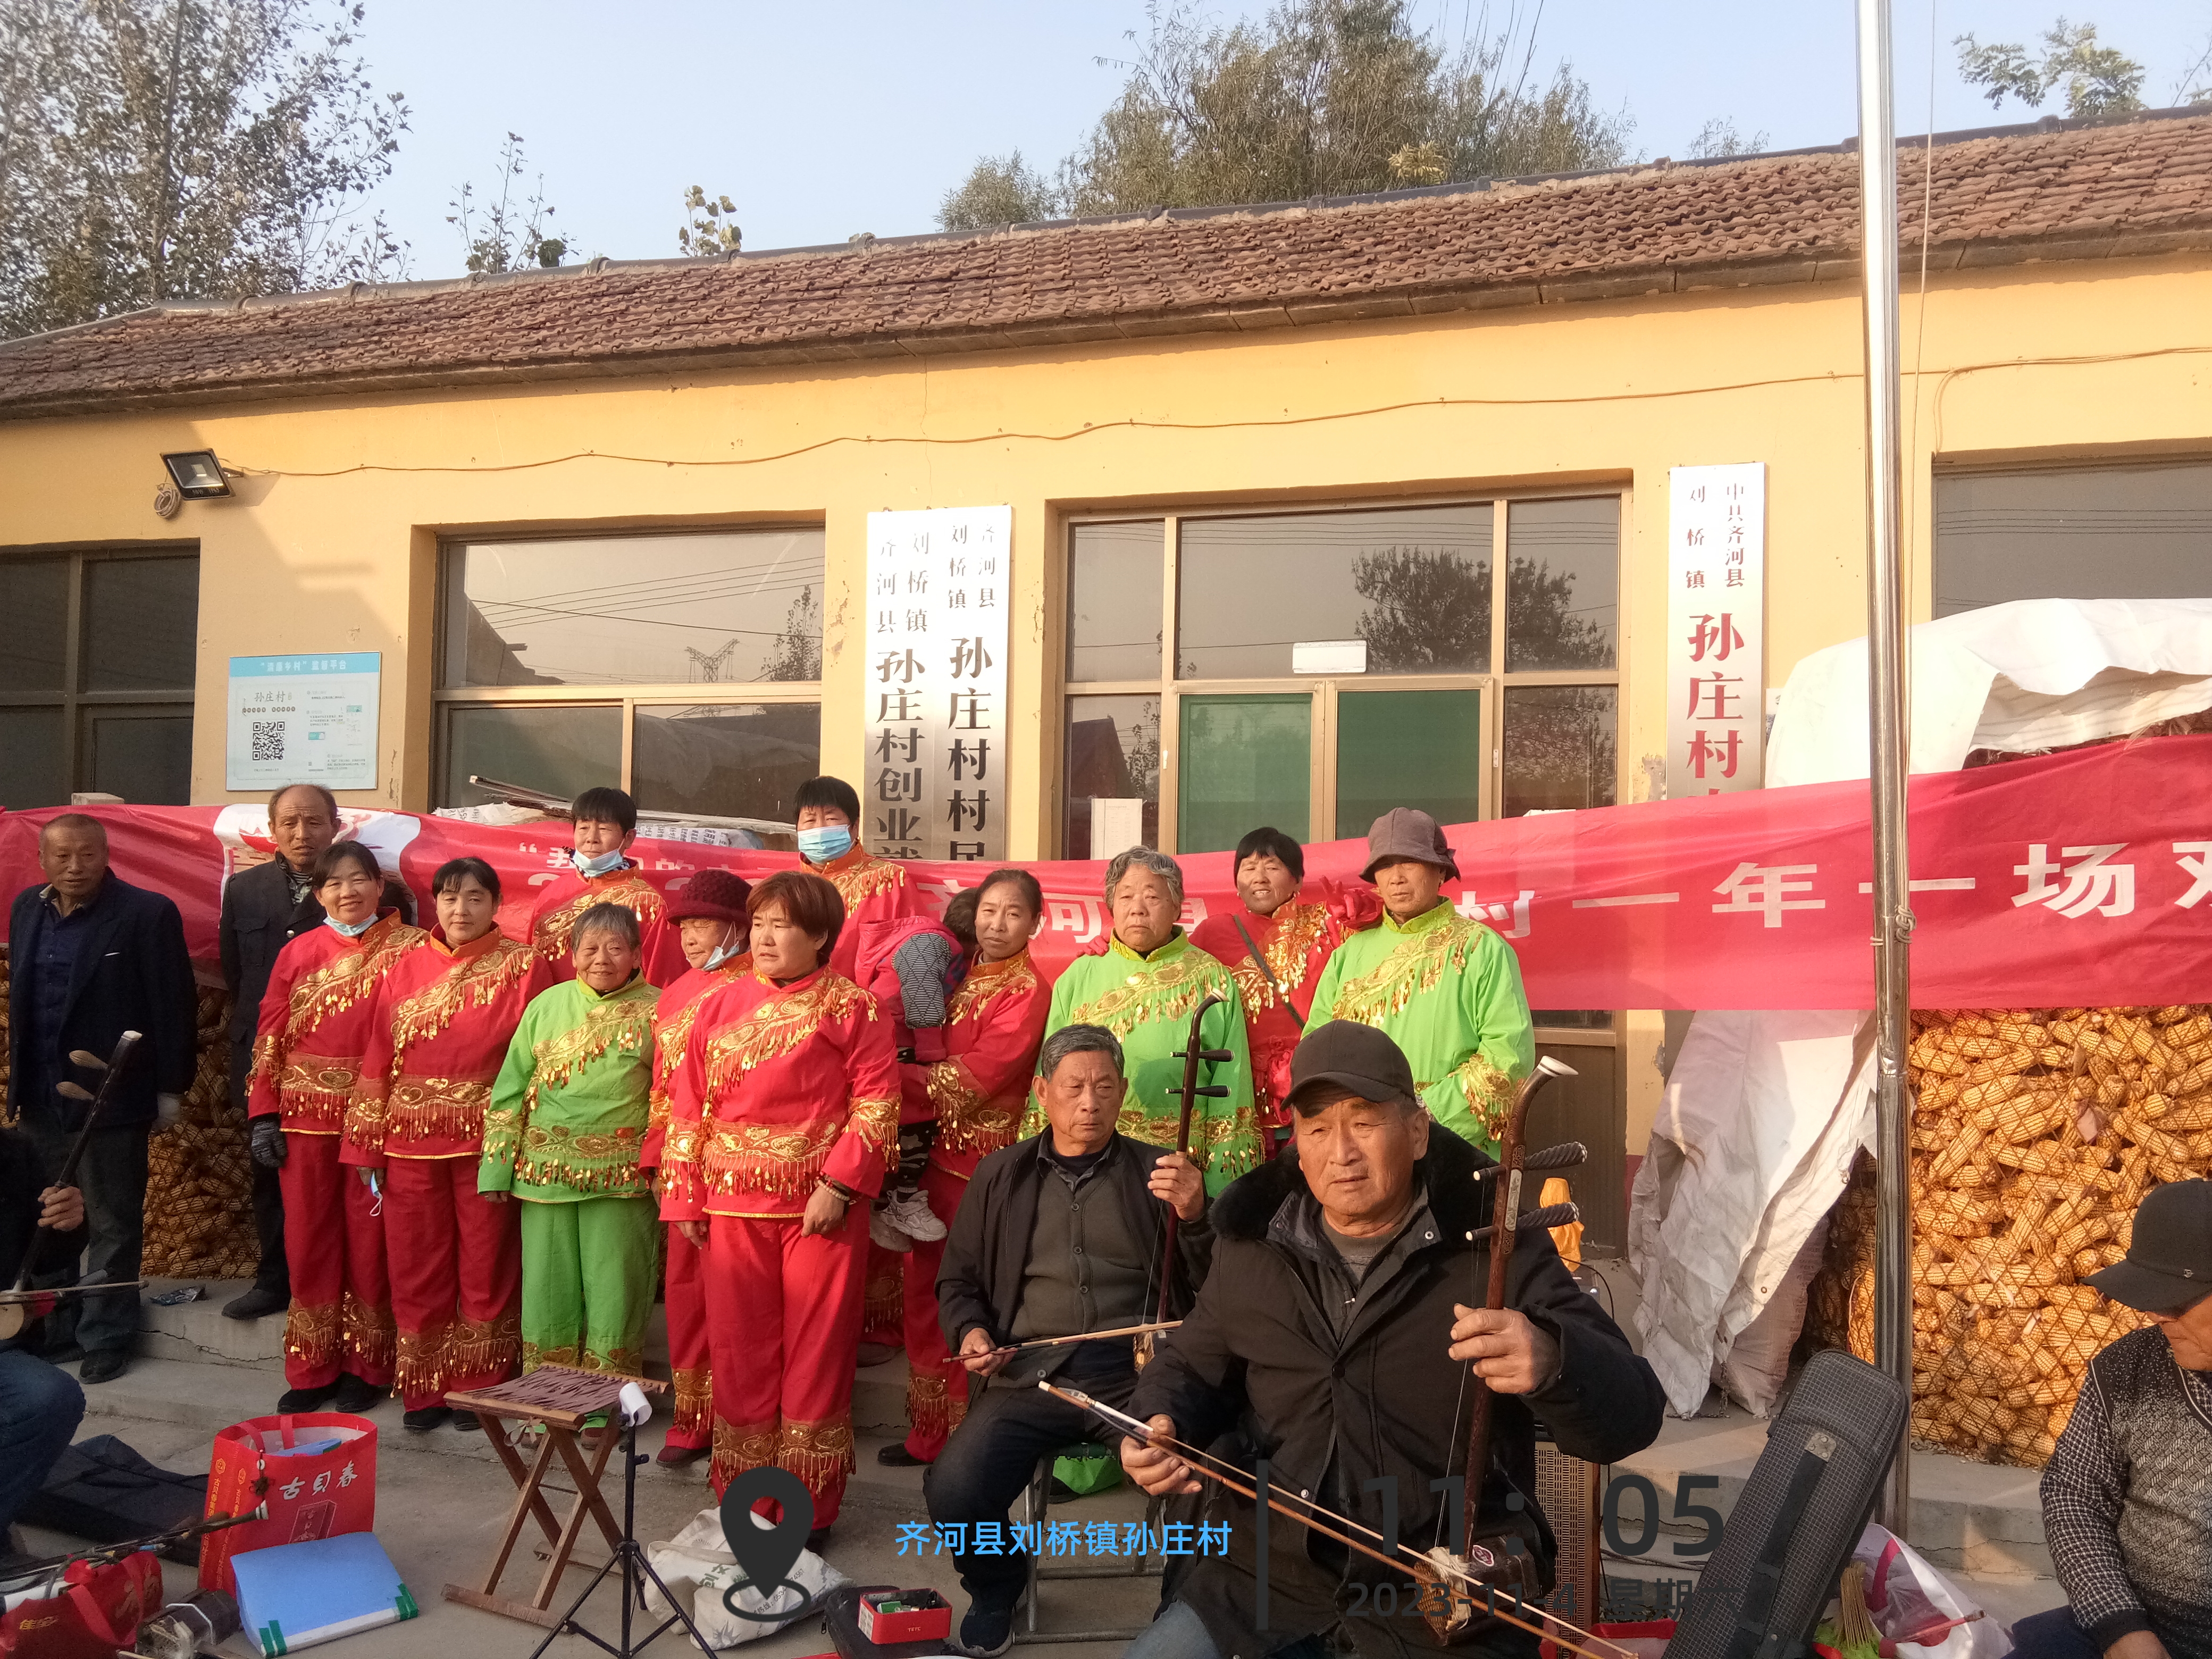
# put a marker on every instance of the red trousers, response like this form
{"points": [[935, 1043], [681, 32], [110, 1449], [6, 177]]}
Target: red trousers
{"points": [[456, 1279], [935, 1386], [341, 1318], [784, 1315], [689, 1356], [881, 1309]]}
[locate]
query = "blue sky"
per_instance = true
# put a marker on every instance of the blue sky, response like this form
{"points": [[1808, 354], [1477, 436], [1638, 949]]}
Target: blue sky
{"points": [[822, 120]]}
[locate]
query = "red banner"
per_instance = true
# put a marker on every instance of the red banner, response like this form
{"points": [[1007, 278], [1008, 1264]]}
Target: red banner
{"points": [[2082, 878]]}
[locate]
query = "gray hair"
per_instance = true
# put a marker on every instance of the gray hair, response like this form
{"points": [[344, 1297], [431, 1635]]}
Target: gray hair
{"points": [[617, 919], [1144, 858], [1077, 1040]]}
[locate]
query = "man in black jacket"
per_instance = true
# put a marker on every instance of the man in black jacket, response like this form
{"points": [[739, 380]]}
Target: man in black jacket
{"points": [[1056, 1235], [91, 957], [40, 1406], [1336, 1334], [264, 910]]}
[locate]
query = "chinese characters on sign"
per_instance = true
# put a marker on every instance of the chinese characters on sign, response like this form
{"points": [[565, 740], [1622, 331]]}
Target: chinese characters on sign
{"points": [[1716, 629], [305, 718], [936, 687]]}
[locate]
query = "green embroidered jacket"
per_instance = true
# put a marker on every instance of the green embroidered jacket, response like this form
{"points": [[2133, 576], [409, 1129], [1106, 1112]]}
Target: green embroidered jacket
{"points": [[568, 1113]]}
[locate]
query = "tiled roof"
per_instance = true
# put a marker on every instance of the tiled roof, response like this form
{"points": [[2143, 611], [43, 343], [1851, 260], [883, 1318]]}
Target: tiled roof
{"points": [[2057, 190]]}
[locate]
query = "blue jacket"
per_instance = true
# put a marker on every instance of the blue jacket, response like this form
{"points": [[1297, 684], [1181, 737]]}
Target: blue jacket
{"points": [[132, 975]]}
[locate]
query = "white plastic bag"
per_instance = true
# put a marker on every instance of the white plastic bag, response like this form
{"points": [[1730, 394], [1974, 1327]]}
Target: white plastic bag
{"points": [[1907, 1597], [698, 1567]]}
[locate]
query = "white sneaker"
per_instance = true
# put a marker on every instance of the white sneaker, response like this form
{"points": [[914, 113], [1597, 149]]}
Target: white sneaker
{"points": [[910, 1214], [885, 1235]]}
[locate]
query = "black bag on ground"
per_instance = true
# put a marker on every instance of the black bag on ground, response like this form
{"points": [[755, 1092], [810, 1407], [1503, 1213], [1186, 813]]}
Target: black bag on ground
{"points": [[1800, 1516], [102, 1490]]}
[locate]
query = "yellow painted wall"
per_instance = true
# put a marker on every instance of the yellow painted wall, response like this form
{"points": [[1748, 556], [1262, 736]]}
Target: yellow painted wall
{"points": [[330, 543]]}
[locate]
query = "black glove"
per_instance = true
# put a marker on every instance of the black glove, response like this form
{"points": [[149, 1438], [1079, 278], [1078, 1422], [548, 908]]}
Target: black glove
{"points": [[267, 1142]]}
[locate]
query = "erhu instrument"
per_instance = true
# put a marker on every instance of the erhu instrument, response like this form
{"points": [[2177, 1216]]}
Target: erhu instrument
{"points": [[19, 1303], [1193, 1055]]}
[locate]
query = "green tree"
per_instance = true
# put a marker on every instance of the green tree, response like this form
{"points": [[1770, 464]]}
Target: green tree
{"points": [[1718, 137], [797, 653], [999, 189], [1428, 610], [152, 150], [510, 231], [2097, 80], [705, 231]]}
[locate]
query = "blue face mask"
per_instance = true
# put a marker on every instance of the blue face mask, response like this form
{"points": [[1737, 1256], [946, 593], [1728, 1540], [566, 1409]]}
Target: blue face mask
{"points": [[351, 929], [605, 863], [721, 954], [832, 840]]}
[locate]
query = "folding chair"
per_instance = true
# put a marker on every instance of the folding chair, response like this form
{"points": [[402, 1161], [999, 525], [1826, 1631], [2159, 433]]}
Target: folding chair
{"points": [[1035, 1500]]}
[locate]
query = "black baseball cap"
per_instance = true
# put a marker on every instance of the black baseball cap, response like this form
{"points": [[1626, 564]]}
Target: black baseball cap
{"points": [[2168, 1265], [1355, 1057]]}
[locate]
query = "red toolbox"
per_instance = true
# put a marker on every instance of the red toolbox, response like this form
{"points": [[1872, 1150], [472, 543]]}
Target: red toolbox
{"points": [[885, 1616]]}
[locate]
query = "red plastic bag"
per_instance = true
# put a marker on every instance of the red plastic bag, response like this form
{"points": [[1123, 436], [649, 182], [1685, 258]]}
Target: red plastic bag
{"points": [[93, 1611], [1639, 1635], [310, 1494]]}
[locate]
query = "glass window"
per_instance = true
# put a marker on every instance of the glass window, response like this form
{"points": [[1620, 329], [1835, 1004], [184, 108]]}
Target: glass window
{"points": [[144, 757], [1407, 749], [1559, 747], [1113, 773], [734, 607], [1413, 582], [34, 771], [1246, 762], [34, 600], [1114, 577], [141, 624], [1563, 586], [726, 760], [2119, 532], [562, 750]]}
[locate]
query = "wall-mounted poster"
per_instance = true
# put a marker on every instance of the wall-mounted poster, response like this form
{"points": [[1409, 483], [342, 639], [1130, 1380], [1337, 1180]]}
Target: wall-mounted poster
{"points": [[1716, 629], [936, 687], [303, 719]]}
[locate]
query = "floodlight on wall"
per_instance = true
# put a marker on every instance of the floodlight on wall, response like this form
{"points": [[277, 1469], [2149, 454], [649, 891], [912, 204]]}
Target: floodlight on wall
{"points": [[198, 474]]}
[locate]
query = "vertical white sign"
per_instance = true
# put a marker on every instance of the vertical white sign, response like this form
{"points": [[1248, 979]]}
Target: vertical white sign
{"points": [[1716, 629], [936, 705]]}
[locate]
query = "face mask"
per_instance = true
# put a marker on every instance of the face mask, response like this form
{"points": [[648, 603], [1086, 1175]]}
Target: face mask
{"points": [[351, 929], [605, 863], [820, 846], [722, 953]]}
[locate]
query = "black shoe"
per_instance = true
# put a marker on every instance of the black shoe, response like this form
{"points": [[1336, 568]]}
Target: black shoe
{"points": [[468, 1423], [258, 1303], [104, 1365], [293, 1402], [988, 1630], [62, 1353], [896, 1456], [428, 1418], [355, 1396], [818, 1537]]}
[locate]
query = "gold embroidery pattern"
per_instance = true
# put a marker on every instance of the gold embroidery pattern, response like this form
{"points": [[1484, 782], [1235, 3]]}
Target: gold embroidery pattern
{"points": [[883, 1298], [626, 1024], [605, 1161], [1416, 966], [933, 1407], [670, 1036], [1167, 992], [864, 880], [347, 978], [481, 1351], [317, 1090], [533, 1356], [476, 982], [632, 892], [876, 1123], [784, 1158], [820, 1453], [421, 1367], [264, 1058], [618, 1362], [985, 983], [779, 1026], [435, 1108], [1298, 928], [369, 1336], [1489, 1094], [311, 1334], [967, 1120], [694, 1401], [739, 1447]]}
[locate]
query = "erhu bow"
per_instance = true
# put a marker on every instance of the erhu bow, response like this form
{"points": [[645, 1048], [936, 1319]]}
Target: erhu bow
{"points": [[1193, 1055]]}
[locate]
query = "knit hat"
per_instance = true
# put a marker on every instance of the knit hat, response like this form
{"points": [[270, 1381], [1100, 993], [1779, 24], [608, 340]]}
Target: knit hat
{"points": [[1407, 832], [711, 896]]}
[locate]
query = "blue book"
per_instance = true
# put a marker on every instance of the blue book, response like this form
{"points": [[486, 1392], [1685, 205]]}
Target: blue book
{"points": [[295, 1595]]}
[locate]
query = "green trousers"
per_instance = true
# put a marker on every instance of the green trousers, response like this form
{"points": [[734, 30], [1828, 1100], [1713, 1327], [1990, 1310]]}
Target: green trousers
{"points": [[587, 1270]]}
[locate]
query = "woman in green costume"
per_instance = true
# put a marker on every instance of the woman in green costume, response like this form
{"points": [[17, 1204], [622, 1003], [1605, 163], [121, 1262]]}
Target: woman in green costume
{"points": [[567, 1122], [1143, 989]]}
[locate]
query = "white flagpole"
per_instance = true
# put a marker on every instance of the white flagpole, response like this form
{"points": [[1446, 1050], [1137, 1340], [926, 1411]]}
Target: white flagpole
{"points": [[1892, 916]]}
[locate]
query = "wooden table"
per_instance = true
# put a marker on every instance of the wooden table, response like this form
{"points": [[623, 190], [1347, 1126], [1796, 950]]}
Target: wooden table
{"points": [[558, 1399]]}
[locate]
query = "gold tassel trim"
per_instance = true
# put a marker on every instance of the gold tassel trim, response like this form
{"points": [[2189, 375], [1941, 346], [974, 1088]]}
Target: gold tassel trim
{"points": [[876, 1123], [626, 1024], [311, 1334], [344, 980], [436, 1108], [817, 1453], [476, 982], [779, 1026], [986, 983], [1297, 929], [369, 1338], [863, 880], [1489, 1094], [783, 1158], [422, 1366], [739, 1447], [695, 1399], [630, 891], [935, 1405], [487, 1348], [588, 1162], [967, 1120], [1417, 965], [882, 1299], [1160, 994], [317, 1090], [673, 1034]]}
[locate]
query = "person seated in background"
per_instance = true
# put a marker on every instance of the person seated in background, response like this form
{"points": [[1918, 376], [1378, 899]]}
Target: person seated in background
{"points": [[40, 1405], [2127, 1495], [1056, 1235], [601, 871]]}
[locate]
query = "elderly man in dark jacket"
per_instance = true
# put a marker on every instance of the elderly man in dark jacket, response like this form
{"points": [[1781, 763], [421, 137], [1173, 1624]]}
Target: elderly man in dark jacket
{"points": [[93, 957], [1056, 1235], [1335, 1335]]}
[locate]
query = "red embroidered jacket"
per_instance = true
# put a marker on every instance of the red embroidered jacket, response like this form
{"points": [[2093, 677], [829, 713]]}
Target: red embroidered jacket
{"points": [[780, 1086], [568, 895], [875, 891], [436, 1040], [672, 1018], [994, 1026], [315, 1020], [1296, 940]]}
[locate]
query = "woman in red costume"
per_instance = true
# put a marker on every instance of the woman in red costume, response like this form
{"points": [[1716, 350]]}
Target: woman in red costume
{"points": [[783, 1123], [444, 1018], [314, 1033]]}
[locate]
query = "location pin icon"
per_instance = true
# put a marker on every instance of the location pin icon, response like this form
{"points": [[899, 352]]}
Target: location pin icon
{"points": [[767, 1551]]}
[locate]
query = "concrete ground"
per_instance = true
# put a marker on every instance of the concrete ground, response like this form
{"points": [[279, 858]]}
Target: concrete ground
{"points": [[442, 1500]]}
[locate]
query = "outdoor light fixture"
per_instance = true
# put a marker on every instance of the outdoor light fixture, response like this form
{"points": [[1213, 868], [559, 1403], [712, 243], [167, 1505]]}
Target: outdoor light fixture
{"points": [[198, 475]]}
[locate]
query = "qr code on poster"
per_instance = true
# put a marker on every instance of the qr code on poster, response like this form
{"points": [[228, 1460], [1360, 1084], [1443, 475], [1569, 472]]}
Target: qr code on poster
{"points": [[269, 740]]}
